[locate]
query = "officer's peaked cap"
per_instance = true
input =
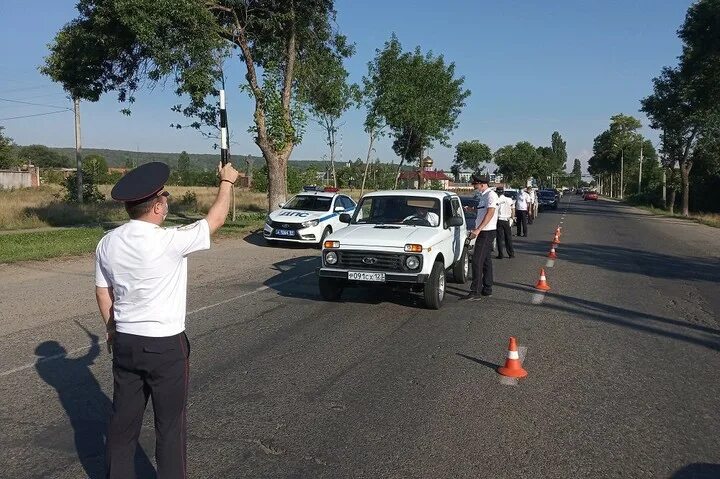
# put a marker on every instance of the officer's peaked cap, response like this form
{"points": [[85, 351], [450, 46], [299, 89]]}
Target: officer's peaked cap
{"points": [[141, 183]]}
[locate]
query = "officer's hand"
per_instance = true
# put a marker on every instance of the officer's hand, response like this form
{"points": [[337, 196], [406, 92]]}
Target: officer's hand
{"points": [[228, 172]]}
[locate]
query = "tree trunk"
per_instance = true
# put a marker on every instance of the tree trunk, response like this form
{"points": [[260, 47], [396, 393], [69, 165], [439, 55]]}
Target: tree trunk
{"points": [[671, 201], [277, 179], [685, 178], [397, 176], [332, 162], [367, 161]]}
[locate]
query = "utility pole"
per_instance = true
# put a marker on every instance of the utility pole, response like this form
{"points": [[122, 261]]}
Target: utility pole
{"points": [[622, 171], [640, 172], [78, 152]]}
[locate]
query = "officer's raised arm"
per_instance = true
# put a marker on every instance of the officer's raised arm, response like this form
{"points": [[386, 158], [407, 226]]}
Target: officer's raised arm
{"points": [[219, 210]]}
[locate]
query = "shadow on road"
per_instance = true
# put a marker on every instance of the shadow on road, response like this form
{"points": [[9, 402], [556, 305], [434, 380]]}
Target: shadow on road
{"points": [[628, 318], [85, 404], [698, 471], [487, 364], [256, 238]]}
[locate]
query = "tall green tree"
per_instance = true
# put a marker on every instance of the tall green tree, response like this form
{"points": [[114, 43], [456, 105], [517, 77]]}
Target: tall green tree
{"points": [[419, 97], [374, 124], [118, 45], [329, 95], [471, 155], [8, 158], [577, 172], [517, 162], [559, 153], [95, 166]]}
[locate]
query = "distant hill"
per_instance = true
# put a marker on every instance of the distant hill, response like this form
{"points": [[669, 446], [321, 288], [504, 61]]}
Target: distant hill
{"points": [[117, 158]]}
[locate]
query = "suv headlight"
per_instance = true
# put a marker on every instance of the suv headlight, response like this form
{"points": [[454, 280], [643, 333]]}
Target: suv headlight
{"points": [[412, 262], [309, 223], [331, 257]]}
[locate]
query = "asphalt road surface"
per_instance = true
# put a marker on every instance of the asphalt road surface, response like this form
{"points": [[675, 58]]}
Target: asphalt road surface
{"points": [[622, 354]]}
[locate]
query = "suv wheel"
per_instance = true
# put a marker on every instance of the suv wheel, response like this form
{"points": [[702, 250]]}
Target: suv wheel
{"points": [[325, 234], [434, 289], [461, 269], [330, 289]]}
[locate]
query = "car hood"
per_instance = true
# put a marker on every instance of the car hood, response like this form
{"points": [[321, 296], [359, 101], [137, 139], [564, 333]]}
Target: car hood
{"points": [[298, 216], [390, 236]]}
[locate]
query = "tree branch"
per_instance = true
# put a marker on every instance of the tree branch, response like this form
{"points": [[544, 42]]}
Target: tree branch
{"points": [[289, 67]]}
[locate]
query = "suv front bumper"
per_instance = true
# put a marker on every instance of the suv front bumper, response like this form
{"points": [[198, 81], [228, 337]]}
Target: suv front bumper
{"points": [[412, 278]]}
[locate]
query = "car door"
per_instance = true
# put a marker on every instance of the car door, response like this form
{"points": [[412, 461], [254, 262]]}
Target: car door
{"points": [[349, 207]]}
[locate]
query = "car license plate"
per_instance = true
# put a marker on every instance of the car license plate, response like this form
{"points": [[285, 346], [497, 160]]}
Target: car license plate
{"points": [[285, 232], [363, 276]]}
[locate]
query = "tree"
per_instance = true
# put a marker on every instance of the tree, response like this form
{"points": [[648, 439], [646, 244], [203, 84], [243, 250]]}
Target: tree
{"points": [[329, 95], [419, 98], [471, 154], [95, 166], [183, 169], [8, 159], [44, 157], [559, 151], [374, 122], [118, 46], [517, 162], [577, 172]]}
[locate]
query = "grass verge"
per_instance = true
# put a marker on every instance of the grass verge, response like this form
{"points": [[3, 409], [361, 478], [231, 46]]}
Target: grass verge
{"points": [[39, 245], [709, 219]]}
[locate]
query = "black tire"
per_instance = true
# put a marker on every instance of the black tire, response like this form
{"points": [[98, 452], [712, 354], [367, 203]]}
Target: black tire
{"points": [[326, 232], [461, 268], [330, 289], [434, 288]]}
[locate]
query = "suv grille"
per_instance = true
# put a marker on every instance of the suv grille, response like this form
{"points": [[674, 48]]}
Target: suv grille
{"points": [[371, 260], [285, 226]]}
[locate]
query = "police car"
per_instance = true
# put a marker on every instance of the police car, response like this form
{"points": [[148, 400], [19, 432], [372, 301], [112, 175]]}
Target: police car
{"points": [[308, 217]]}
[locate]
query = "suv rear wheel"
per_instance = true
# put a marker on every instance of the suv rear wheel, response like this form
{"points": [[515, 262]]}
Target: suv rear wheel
{"points": [[461, 268], [434, 289]]}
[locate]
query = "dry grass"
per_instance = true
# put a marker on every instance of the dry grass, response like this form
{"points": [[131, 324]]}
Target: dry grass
{"points": [[709, 219]]}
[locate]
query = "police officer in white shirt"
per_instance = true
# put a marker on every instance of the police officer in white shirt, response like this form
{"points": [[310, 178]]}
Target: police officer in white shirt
{"points": [[485, 226], [506, 209], [522, 203], [141, 286], [533, 206]]}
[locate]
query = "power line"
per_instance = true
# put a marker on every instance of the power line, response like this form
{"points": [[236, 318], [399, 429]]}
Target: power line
{"points": [[36, 114], [33, 104]]}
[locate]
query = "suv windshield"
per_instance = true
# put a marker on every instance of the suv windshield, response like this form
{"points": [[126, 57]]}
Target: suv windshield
{"points": [[547, 194], [309, 203], [405, 210]]}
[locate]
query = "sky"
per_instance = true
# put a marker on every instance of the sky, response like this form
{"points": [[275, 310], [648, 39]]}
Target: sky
{"points": [[533, 67]]}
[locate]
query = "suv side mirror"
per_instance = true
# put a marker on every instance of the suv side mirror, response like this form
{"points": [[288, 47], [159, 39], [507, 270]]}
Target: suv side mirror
{"points": [[345, 218], [455, 221]]}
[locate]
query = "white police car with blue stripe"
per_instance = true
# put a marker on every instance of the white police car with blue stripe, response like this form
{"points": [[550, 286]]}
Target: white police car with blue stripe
{"points": [[308, 217]]}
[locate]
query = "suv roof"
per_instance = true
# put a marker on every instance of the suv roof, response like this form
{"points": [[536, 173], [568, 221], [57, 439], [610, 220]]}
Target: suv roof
{"points": [[425, 193], [318, 193]]}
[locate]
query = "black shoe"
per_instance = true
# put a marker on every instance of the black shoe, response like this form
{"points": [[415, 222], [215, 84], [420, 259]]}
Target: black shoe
{"points": [[498, 257], [511, 256], [524, 236], [471, 295], [486, 293]]}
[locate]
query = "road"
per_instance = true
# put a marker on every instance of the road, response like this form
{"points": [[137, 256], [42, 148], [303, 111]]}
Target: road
{"points": [[622, 356]]}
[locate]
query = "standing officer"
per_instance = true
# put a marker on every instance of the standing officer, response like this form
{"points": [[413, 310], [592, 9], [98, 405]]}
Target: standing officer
{"points": [[141, 287], [485, 226], [532, 207], [522, 203], [506, 210]]}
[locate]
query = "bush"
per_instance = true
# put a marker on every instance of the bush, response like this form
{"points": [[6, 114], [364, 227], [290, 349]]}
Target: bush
{"points": [[188, 202], [90, 193], [647, 198]]}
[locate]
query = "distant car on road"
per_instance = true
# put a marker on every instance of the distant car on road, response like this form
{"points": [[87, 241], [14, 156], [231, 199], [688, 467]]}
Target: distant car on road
{"points": [[547, 199], [308, 217], [590, 195]]}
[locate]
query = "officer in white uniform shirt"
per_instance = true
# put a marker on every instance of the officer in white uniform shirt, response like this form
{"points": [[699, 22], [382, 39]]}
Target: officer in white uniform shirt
{"points": [[484, 231], [141, 286], [522, 203], [506, 209]]}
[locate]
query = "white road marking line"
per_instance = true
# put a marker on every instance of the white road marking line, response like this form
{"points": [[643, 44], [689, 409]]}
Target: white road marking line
{"points": [[550, 263], [85, 348], [537, 298]]}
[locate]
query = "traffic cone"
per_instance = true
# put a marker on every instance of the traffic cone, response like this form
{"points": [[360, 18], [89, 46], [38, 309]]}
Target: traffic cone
{"points": [[556, 239], [558, 231], [542, 282], [513, 367], [552, 254]]}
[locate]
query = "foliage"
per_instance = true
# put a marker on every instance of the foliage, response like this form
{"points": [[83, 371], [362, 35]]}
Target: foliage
{"points": [[188, 202], [96, 167], [436, 185], [43, 157], [8, 158], [90, 192], [471, 154], [296, 179], [577, 171], [517, 162], [559, 153], [417, 95]]}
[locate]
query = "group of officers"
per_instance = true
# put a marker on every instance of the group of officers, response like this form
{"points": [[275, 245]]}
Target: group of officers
{"points": [[494, 212]]}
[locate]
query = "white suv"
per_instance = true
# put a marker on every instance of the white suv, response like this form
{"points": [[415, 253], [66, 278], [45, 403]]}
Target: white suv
{"points": [[408, 237]]}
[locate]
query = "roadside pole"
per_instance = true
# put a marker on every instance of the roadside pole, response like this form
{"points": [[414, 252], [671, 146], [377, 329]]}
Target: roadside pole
{"points": [[78, 150], [640, 172]]}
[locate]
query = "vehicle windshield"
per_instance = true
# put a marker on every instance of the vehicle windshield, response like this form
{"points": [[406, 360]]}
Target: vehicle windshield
{"points": [[547, 194], [398, 210], [309, 203]]}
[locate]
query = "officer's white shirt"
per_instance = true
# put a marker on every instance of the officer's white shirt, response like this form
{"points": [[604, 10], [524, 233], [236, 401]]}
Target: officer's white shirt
{"points": [[533, 197], [504, 207], [523, 199], [146, 267], [488, 199]]}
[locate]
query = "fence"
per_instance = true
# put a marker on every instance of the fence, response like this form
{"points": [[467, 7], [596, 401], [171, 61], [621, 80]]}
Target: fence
{"points": [[20, 179]]}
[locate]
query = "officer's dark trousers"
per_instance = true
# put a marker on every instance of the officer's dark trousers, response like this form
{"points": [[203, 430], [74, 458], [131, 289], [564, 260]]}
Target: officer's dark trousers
{"points": [[522, 222], [157, 368], [482, 263], [504, 238]]}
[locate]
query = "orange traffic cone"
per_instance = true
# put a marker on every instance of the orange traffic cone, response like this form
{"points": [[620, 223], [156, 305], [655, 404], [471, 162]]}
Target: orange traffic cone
{"points": [[513, 367], [556, 239], [542, 282], [558, 231], [552, 254]]}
